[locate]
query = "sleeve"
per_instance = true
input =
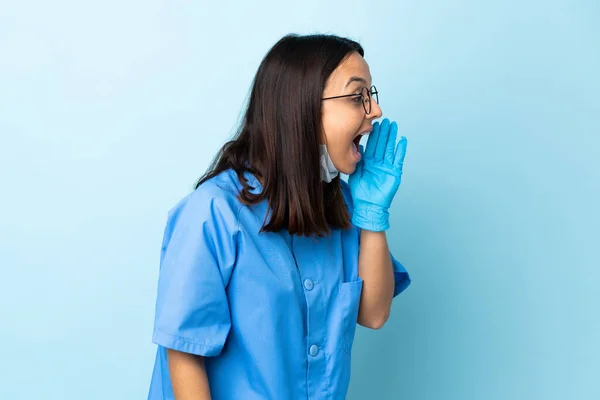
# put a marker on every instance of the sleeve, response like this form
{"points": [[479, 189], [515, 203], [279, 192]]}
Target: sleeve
{"points": [[401, 276], [197, 258]]}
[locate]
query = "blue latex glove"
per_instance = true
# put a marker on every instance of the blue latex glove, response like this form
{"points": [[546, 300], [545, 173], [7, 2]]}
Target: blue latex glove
{"points": [[377, 177]]}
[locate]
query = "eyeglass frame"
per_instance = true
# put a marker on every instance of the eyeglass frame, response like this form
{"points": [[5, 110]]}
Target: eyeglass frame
{"points": [[371, 91]]}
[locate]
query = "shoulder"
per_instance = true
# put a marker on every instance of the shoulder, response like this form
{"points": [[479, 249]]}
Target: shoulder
{"points": [[214, 199]]}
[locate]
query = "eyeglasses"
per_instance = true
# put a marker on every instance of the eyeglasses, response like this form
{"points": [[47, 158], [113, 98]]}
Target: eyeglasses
{"points": [[365, 96]]}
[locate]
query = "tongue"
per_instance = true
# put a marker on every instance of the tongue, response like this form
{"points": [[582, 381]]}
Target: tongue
{"points": [[354, 148]]}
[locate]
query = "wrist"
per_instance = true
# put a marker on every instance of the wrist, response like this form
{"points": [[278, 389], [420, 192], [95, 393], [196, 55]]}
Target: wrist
{"points": [[371, 217]]}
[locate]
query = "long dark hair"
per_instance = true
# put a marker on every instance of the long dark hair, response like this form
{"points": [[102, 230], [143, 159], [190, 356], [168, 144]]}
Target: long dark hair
{"points": [[278, 141]]}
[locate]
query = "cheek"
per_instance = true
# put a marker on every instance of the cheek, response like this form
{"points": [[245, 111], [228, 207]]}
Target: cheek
{"points": [[339, 128], [339, 146]]}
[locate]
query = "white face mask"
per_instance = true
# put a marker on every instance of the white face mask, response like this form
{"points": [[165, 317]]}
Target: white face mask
{"points": [[328, 170]]}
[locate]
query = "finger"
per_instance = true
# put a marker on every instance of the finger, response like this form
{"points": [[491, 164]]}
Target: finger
{"points": [[372, 141], [359, 166], [358, 170], [384, 131], [391, 143], [400, 153]]}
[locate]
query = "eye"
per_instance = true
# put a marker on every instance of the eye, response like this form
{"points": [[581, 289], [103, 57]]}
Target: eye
{"points": [[357, 98]]}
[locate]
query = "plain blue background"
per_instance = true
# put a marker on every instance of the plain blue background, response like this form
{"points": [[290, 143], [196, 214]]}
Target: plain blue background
{"points": [[110, 110]]}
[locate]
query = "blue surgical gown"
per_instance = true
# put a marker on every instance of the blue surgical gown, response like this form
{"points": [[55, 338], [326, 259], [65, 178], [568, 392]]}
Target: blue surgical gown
{"points": [[274, 314]]}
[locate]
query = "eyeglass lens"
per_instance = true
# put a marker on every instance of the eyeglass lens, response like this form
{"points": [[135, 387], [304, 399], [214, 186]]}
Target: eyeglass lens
{"points": [[366, 98]]}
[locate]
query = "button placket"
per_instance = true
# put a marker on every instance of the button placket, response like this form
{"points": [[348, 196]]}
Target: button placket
{"points": [[311, 260]]}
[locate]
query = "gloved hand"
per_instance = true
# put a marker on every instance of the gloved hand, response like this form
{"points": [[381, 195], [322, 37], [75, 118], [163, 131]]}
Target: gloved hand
{"points": [[377, 177]]}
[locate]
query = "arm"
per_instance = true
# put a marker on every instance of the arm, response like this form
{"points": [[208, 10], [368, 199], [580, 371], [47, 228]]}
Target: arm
{"points": [[188, 376], [373, 185], [376, 270], [192, 318]]}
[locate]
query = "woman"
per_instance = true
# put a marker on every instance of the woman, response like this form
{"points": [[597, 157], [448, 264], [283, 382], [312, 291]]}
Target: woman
{"points": [[269, 264]]}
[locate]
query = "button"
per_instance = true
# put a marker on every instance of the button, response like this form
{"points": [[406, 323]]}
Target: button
{"points": [[314, 350], [309, 284]]}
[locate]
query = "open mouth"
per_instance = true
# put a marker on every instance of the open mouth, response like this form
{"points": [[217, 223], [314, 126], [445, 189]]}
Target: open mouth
{"points": [[356, 140]]}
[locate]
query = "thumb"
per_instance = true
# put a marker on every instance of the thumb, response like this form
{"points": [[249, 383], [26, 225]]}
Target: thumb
{"points": [[357, 171]]}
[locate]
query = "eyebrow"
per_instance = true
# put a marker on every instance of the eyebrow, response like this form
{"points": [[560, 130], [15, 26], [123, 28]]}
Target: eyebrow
{"points": [[355, 79]]}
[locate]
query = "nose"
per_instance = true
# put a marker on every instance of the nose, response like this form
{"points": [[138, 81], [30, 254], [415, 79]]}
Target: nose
{"points": [[375, 111]]}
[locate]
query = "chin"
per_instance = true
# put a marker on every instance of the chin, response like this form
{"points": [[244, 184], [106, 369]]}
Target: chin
{"points": [[345, 166], [347, 169]]}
